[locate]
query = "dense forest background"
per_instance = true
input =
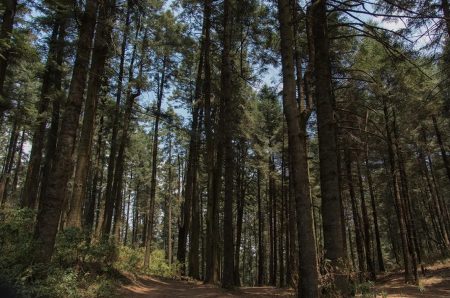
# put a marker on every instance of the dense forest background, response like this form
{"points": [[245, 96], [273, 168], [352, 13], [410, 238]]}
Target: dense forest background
{"points": [[288, 143]]}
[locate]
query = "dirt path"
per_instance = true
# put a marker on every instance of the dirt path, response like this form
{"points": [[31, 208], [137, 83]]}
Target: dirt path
{"points": [[435, 284], [156, 287]]}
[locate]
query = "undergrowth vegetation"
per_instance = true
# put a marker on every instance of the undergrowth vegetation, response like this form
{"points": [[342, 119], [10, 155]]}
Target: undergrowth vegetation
{"points": [[80, 267]]}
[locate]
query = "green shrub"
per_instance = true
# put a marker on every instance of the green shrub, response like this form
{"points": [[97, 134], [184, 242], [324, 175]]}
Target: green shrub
{"points": [[16, 236]]}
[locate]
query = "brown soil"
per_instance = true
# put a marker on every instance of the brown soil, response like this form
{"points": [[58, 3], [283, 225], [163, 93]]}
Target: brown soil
{"points": [[435, 283], [146, 286]]}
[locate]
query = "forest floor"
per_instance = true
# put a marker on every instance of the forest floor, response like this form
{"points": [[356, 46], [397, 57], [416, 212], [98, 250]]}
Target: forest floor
{"points": [[435, 283], [146, 286]]}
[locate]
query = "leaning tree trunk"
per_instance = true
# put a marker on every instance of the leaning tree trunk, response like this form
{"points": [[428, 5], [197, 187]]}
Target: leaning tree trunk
{"points": [[50, 208], [31, 184]]}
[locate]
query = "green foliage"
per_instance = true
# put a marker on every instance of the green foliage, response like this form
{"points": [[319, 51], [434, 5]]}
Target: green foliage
{"points": [[78, 269], [131, 260], [15, 246], [365, 289]]}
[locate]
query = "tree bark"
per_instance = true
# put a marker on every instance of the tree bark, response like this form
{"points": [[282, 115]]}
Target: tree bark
{"points": [[100, 53], [227, 114], [356, 218], [50, 208], [366, 225], [374, 211], [31, 184], [326, 123], [308, 283], [212, 273], [396, 195], [151, 203]]}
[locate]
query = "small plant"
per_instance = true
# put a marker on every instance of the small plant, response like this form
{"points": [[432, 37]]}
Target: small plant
{"points": [[421, 286]]}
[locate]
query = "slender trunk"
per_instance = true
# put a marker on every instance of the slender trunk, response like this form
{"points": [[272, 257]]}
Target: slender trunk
{"points": [[261, 250], [409, 217], [374, 211], [192, 194], [131, 96], [441, 144], [151, 205], [169, 207], [50, 208], [18, 168], [396, 195], [191, 199], [240, 212], [95, 195], [366, 225], [108, 195], [212, 273], [356, 218], [9, 160]]}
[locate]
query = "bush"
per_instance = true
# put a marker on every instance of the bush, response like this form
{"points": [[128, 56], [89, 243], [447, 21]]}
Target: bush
{"points": [[16, 247], [78, 268], [132, 260]]}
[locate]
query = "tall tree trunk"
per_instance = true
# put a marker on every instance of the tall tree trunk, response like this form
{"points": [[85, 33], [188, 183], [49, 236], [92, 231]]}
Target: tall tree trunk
{"points": [[212, 273], [100, 53], [108, 195], [9, 160], [308, 283], [123, 140], [191, 193], [95, 195], [151, 203], [261, 250], [191, 198], [50, 208], [52, 134], [228, 115], [240, 181], [31, 184], [169, 206], [326, 123], [374, 210], [441, 144], [366, 225], [356, 218], [396, 195]]}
